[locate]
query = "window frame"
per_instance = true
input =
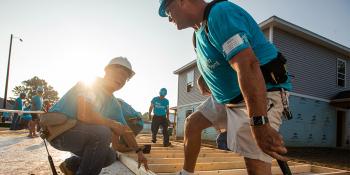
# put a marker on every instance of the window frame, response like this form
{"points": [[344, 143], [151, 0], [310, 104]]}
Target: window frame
{"points": [[339, 78], [190, 84]]}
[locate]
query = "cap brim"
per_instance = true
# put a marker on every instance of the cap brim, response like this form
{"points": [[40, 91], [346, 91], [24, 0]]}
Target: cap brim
{"points": [[161, 10]]}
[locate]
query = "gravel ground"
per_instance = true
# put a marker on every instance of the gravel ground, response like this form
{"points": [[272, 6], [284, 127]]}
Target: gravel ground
{"points": [[329, 157], [21, 155]]}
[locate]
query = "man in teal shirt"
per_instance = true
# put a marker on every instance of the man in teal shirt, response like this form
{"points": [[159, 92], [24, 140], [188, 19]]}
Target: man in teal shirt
{"points": [[160, 108], [95, 119], [230, 49], [37, 105], [18, 106]]}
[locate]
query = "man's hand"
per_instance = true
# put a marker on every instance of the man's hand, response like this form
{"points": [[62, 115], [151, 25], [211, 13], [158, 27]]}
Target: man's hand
{"points": [[270, 141], [141, 159], [149, 116]]}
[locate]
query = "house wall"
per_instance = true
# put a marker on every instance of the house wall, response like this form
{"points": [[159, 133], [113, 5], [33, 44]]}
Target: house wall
{"points": [[184, 97], [313, 124], [313, 67]]}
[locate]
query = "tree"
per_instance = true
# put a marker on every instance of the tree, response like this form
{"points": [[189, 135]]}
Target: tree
{"points": [[29, 87], [145, 116]]}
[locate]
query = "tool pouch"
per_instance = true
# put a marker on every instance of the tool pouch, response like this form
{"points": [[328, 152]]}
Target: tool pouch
{"points": [[54, 124], [275, 71]]}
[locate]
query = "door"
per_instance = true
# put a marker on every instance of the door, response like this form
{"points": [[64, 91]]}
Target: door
{"points": [[340, 128]]}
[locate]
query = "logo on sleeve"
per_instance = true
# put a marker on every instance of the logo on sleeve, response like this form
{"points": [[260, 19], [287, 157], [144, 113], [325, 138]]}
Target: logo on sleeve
{"points": [[232, 43]]}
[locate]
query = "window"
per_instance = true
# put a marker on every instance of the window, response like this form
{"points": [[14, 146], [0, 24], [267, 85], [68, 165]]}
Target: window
{"points": [[341, 72], [188, 113], [189, 81]]}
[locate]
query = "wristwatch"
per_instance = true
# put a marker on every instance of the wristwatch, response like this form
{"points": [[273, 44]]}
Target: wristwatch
{"points": [[258, 120]]}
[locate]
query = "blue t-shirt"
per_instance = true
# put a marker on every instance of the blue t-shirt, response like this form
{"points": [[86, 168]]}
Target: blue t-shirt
{"points": [[160, 106], [27, 116], [231, 30], [107, 105], [6, 115], [130, 113], [37, 103], [19, 102]]}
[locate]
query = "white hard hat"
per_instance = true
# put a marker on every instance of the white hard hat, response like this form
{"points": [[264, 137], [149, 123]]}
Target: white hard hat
{"points": [[121, 61]]}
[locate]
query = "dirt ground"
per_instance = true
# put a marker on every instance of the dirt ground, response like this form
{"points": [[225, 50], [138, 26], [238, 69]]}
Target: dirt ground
{"points": [[21, 155], [328, 157]]}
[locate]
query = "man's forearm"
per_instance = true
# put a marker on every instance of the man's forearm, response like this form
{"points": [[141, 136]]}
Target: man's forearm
{"points": [[251, 81], [130, 139], [253, 90]]}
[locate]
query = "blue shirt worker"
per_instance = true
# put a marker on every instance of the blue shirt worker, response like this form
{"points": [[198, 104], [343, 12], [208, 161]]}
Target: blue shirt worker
{"points": [[160, 107], [90, 117], [18, 106], [37, 105], [240, 67]]}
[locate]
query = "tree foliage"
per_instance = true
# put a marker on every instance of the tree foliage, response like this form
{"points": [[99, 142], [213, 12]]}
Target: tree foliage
{"points": [[29, 87], [145, 116]]}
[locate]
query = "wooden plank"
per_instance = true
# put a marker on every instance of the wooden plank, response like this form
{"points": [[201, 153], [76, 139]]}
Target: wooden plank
{"points": [[22, 112], [132, 165], [181, 151], [294, 169], [199, 160], [320, 169], [180, 148], [208, 166], [211, 161], [181, 155]]}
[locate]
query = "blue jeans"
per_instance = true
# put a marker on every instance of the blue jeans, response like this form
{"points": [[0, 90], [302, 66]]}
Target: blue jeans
{"points": [[15, 122], [91, 144]]}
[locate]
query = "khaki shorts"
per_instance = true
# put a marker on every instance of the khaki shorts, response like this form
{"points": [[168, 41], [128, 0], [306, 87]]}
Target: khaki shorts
{"points": [[239, 135], [214, 112]]}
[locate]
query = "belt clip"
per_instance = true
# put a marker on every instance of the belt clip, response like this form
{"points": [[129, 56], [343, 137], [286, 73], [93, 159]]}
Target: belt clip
{"points": [[287, 114]]}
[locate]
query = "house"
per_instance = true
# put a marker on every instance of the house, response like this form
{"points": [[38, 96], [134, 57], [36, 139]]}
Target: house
{"points": [[320, 99]]}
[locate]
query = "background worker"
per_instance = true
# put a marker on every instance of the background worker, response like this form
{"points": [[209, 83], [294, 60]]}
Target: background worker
{"points": [[18, 106], [90, 118], [241, 68], [160, 107], [37, 105], [26, 119]]}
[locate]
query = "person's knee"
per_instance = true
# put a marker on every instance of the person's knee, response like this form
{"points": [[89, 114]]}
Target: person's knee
{"points": [[103, 133], [195, 123]]}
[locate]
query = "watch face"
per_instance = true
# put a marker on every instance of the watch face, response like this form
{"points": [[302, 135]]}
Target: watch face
{"points": [[258, 121]]}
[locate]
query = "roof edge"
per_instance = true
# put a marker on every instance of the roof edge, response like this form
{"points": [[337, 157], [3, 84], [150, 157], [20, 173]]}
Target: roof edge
{"points": [[290, 27], [188, 65]]}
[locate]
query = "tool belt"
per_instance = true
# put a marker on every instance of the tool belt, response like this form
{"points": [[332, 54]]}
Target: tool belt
{"points": [[54, 124], [275, 71]]}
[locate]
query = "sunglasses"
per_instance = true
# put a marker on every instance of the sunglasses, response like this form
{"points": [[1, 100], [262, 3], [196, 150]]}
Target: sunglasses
{"points": [[167, 4]]}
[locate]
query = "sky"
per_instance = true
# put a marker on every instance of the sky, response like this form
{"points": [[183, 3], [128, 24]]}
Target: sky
{"points": [[65, 41]]}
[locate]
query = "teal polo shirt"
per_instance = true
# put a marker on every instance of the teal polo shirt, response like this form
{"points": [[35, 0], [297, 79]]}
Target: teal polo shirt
{"points": [[231, 30], [160, 106], [107, 105]]}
